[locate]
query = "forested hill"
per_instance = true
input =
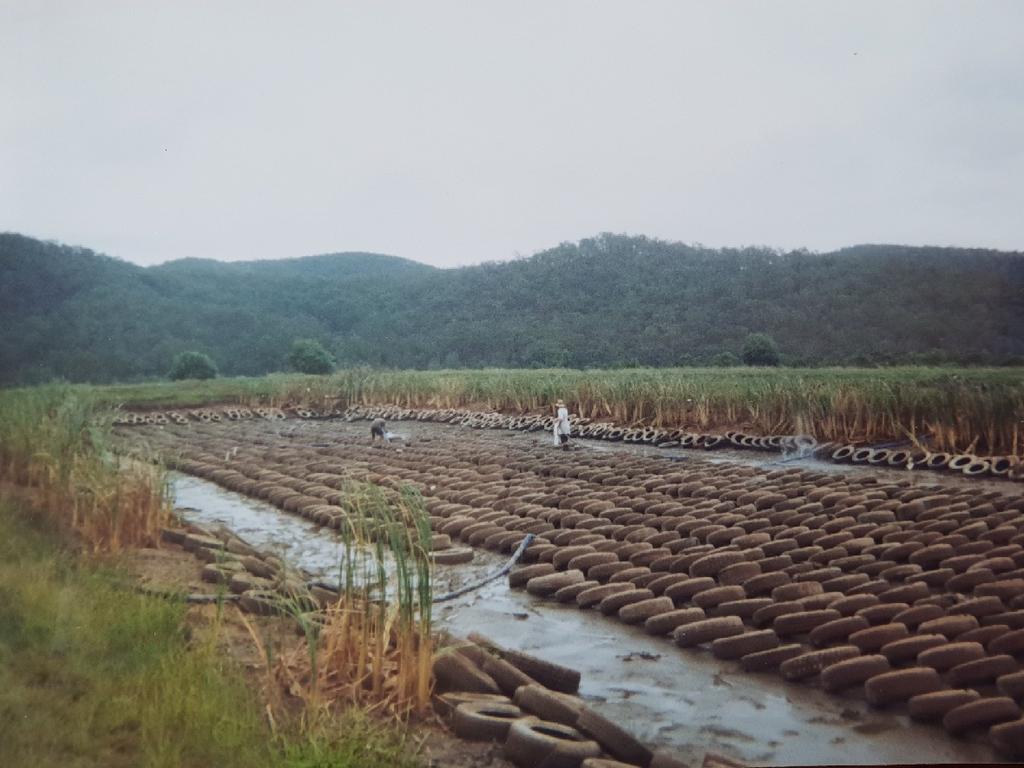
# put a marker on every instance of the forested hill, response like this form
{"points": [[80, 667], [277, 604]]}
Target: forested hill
{"points": [[607, 301]]}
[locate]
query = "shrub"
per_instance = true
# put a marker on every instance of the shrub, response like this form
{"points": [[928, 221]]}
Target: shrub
{"points": [[309, 356], [725, 360], [193, 365], [760, 349]]}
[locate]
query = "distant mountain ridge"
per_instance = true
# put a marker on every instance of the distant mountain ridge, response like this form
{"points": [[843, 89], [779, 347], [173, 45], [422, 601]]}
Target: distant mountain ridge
{"points": [[606, 301]]}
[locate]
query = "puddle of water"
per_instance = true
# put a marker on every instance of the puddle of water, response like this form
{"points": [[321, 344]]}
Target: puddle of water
{"points": [[293, 538], [683, 701], [298, 541], [691, 703]]}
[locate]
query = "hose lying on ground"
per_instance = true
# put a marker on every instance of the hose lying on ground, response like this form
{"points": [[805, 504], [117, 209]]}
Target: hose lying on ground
{"points": [[496, 575], [462, 590]]}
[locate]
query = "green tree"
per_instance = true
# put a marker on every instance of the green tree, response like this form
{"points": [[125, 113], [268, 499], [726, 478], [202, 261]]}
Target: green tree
{"points": [[193, 365], [760, 349], [309, 356]]}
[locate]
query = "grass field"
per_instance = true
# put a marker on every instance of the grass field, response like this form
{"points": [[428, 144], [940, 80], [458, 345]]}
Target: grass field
{"points": [[954, 408]]}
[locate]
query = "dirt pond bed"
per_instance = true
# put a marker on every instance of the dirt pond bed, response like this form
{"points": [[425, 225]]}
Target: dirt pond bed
{"points": [[684, 700]]}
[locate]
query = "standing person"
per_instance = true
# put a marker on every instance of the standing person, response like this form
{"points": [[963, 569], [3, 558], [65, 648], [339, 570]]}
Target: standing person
{"points": [[377, 430], [562, 425]]}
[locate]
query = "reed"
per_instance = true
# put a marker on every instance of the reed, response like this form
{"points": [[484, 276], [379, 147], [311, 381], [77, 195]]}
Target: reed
{"points": [[53, 442], [373, 647], [952, 408]]}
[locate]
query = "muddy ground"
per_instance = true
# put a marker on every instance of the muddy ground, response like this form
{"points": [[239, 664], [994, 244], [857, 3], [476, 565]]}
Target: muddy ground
{"points": [[685, 701]]}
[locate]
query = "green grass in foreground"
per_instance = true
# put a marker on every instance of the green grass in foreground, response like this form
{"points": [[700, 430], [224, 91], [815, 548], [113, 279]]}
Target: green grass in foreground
{"points": [[92, 675]]}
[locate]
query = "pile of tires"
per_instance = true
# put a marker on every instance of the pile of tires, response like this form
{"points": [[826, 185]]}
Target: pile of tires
{"points": [[490, 693]]}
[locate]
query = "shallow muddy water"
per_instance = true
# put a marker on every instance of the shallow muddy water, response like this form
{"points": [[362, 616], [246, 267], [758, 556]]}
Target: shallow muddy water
{"points": [[686, 702]]}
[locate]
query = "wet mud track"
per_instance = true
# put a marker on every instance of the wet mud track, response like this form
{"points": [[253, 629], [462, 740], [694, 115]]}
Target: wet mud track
{"points": [[684, 699]]}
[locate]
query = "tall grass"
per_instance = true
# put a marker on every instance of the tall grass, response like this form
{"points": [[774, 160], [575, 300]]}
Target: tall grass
{"points": [[953, 408], [53, 441], [374, 646]]}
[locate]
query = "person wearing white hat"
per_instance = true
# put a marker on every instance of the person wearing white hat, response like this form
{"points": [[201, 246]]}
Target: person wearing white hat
{"points": [[562, 425]]}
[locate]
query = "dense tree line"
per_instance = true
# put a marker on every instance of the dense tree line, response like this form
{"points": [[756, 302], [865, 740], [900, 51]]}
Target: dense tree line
{"points": [[612, 300]]}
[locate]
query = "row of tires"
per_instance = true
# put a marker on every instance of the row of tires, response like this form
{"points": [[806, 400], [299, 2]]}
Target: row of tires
{"points": [[585, 428], [201, 415], [657, 522], [965, 463], [800, 445], [1009, 467]]}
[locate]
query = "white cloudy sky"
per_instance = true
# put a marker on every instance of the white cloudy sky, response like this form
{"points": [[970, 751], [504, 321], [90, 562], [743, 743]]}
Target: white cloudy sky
{"points": [[458, 132]]}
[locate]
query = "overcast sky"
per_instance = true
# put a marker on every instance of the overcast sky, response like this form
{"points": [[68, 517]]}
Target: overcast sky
{"points": [[454, 133]]}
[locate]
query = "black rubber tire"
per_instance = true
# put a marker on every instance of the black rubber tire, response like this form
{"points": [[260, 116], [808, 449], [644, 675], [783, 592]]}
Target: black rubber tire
{"points": [[639, 612], [882, 613], [854, 671], [554, 676], [803, 621], [484, 720], [907, 649], [950, 627], [907, 593], [744, 644], [1011, 643], [659, 585], [545, 586], [613, 739], [455, 672], [445, 703], [873, 638], [709, 598], [1008, 738], [916, 615], [714, 563], [979, 607], [984, 635], [548, 705], [764, 617], [812, 663], [569, 593], [983, 712], [532, 742], [706, 631], [900, 685], [745, 608], [848, 606], [984, 670], [947, 656], [585, 562], [665, 623], [763, 584], [933, 706], [684, 591], [508, 677], [593, 596], [767, 661], [796, 590], [520, 576], [611, 605], [738, 573], [1011, 685], [836, 630]]}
